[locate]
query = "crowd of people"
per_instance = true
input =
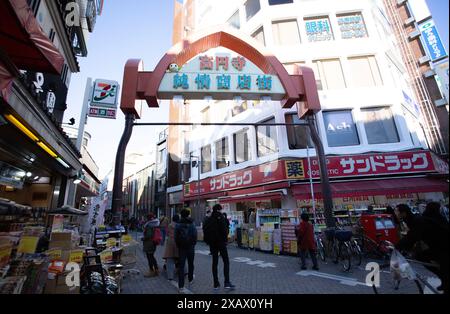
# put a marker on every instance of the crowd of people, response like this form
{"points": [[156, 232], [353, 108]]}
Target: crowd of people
{"points": [[180, 237], [424, 235]]}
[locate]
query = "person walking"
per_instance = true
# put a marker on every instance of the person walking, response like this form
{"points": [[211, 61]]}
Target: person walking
{"points": [[151, 239], [306, 242], [433, 211], [185, 239], [171, 249], [433, 234], [215, 232], [164, 224]]}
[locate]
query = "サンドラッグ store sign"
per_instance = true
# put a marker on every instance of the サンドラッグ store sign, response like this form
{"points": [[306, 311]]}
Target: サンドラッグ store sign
{"points": [[222, 74], [351, 166]]}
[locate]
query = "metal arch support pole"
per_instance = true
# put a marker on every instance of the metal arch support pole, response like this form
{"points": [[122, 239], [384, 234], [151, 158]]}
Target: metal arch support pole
{"points": [[119, 167], [326, 187]]}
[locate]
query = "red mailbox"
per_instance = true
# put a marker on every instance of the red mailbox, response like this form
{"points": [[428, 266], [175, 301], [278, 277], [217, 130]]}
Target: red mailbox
{"points": [[379, 227]]}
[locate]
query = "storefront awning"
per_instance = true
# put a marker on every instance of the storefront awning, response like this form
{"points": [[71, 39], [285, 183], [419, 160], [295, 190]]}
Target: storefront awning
{"points": [[203, 196], [23, 40], [252, 197], [373, 187]]}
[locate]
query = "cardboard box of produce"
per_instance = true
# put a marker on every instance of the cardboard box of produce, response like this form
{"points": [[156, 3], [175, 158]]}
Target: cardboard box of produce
{"points": [[62, 240], [58, 286]]}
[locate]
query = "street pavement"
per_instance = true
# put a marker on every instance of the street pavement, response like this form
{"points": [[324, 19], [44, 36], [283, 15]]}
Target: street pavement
{"points": [[255, 272]]}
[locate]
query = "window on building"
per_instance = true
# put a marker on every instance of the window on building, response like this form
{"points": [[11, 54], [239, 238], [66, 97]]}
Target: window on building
{"points": [[251, 8], [380, 125], [318, 29], [285, 33], [352, 25], [267, 138], [276, 2], [340, 128], [330, 74], [234, 20], [206, 159], [365, 72], [299, 136], [222, 153], [241, 146], [259, 35]]}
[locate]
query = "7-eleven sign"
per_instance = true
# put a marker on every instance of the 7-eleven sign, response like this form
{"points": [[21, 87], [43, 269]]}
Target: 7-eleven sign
{"points": [[105, 94]]}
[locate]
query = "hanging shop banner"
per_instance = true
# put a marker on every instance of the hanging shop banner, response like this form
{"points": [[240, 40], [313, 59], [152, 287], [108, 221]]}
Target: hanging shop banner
{"points": [[432, 40], [222, 74], [338, 167]]}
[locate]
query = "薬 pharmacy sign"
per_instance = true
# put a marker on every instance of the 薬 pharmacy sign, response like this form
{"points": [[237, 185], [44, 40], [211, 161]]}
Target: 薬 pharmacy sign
{"points": [[221, 74]]}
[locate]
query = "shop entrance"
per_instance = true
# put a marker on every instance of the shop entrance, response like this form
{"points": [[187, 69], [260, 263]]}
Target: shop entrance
{"points": [[219, 65]]}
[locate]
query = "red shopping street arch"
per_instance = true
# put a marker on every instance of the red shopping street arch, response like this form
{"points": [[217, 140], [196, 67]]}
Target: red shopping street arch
{"points": [[240, 67], [299, 86]]}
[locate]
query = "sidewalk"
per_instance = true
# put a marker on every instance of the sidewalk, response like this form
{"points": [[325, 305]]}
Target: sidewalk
{"points": [[255, 272]]}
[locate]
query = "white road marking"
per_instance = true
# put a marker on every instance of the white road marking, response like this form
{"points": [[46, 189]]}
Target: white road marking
{"points": [[342, 280], [251, 262], [203, 252]]}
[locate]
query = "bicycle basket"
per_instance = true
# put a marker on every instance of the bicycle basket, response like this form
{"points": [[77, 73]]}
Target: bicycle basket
{"points": [[343, 236], [329, 234]]}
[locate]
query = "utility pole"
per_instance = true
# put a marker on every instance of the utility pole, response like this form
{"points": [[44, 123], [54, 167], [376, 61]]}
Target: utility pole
{"points": [[84, 109], [326, 187], [119, 167]]}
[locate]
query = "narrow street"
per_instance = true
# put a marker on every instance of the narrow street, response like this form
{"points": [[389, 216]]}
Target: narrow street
{"points": [[255, 272]]}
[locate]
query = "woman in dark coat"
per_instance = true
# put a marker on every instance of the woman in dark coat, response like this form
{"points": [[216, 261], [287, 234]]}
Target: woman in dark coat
{"points": [[306, 241]]}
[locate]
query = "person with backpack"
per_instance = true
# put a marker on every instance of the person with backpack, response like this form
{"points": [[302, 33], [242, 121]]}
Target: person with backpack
{"points": [[171, 250], [185, 239], [152, 238], [215, 232]]}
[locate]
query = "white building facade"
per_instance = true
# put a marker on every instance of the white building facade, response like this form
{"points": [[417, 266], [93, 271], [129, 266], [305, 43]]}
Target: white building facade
{"points": [[370, 124]]}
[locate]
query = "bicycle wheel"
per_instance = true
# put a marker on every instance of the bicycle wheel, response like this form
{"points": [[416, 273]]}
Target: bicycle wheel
{"points": [[345, 255], [321, 250], [357, 253]]}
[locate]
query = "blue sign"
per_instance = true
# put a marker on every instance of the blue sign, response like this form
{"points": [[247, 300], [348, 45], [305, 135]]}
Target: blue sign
{"points": [[433, 43]]}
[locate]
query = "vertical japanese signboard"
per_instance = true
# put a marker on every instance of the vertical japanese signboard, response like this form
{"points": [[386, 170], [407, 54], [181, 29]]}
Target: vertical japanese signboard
{"points": [[432, 41]]}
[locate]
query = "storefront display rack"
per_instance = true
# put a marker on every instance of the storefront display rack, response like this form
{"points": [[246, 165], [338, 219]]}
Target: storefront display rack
{"points": [[102, 235]]}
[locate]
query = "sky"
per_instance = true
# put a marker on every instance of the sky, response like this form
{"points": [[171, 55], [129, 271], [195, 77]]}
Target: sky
{"points": [[439, 10], [142, 29], [126, 29]]}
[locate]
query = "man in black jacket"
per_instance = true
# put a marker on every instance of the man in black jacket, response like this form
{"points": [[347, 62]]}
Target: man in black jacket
{"points": [[185, 239], [435, 237], [215, 232]]}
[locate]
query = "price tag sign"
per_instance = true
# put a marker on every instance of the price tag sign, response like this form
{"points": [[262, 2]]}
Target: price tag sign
{"points": [[126, 239], [293, 246], [5, 254], [54, 254], [28, 245], [76, 256], [111, 242], [276, 249], [106, 256]]}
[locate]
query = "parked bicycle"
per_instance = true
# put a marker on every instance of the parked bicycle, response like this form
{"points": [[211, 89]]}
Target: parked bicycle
{"points": [[338, 247], [320, 246]]}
